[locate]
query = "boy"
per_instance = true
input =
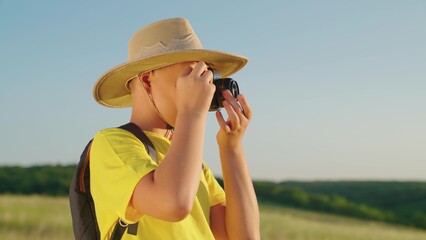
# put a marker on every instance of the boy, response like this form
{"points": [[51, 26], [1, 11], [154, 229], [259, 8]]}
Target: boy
{"points": [[169, 87]]}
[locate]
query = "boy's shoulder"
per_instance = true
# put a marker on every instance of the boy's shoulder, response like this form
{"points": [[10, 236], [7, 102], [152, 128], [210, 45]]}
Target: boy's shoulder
{"points": [[111, 131], [113, 134], [116, 131]]}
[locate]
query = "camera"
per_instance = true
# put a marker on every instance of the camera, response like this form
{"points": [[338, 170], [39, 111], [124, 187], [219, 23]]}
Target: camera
{"points": [[222, 84]]}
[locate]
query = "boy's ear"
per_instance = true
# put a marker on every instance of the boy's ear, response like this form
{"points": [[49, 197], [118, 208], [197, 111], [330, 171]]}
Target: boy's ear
{"points": [[144, 79]]}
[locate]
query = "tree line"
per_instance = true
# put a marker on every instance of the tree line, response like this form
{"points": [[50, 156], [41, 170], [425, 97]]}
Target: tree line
{"points": [[47, 180], [394, 202], [337, 204]]}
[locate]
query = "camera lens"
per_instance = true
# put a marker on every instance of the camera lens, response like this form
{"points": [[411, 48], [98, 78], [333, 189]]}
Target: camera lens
{"points": [[234, 88], [223, 84]]}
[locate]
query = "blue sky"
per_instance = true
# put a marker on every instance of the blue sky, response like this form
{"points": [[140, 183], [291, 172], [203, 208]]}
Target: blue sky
{"points": [[337, 87]]}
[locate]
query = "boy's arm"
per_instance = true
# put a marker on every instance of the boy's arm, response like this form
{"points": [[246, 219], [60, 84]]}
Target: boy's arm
{"points": [[168, 193], [241, 212]]}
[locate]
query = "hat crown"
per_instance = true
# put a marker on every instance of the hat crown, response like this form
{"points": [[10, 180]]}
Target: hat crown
{"points": [[170, 35]]}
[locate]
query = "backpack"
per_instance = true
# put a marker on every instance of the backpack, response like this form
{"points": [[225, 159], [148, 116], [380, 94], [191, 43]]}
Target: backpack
{"points": [[83, 213]]}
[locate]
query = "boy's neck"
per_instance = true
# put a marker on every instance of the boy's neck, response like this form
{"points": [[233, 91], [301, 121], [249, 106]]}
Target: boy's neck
{"points": [[151, 125]]}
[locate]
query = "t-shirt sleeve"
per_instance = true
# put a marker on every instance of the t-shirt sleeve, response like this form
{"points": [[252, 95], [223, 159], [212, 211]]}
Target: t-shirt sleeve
{"points": [[216, 192], [118, 160]]}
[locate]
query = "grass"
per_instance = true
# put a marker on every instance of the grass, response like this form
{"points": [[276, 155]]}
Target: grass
{"points": [[280, 223], [41, 217], [35, 217]]}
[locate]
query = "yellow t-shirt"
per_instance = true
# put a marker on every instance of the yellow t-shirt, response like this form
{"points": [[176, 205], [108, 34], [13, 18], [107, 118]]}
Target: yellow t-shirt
{"points": [[118, 160]]}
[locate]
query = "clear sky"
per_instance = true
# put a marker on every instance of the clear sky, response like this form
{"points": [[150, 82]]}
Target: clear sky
{"points": [[337, 87]]}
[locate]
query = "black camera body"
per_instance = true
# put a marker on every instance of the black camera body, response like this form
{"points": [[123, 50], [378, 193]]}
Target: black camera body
{"points": [[222, 84]]}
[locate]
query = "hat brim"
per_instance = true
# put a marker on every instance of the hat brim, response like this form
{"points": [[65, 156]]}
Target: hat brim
{"points": [[110, 89]]}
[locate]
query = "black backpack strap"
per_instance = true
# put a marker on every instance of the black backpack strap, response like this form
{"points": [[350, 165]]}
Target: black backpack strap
{"points": [[118, 231], [133, 128], [120, 226]]}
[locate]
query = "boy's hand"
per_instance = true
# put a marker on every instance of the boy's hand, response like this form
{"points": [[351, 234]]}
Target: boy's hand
{"points": [[195, 90], [231, 132]]}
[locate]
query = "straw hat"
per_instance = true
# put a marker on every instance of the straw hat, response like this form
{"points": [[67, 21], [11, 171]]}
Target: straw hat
{"points": [[158, 45]]}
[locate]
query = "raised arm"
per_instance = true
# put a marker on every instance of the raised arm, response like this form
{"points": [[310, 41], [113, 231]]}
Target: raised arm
{"points": [[168, 193], [241, 212]]}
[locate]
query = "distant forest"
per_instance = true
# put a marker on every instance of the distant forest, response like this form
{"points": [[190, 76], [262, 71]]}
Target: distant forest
{"points": [[395, 202]]}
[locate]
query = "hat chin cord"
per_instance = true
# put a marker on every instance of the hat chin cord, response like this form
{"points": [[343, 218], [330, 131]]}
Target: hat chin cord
{"points": [[170, 128]]}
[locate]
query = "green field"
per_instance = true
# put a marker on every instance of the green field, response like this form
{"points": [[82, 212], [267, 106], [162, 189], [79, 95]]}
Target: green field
{"points": [[42, 217]]}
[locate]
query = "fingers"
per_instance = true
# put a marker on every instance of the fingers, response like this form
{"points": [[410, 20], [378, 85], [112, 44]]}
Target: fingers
{"points": [[239, 112], [241, 106], [186, 71], [246, 107], [230, 99], [233, 116], [201, 70], [222, 122]]}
